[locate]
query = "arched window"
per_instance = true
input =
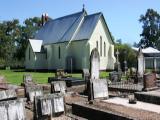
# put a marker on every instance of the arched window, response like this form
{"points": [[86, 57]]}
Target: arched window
{"points": [[59, 52], [104, 49], [29, 54], [100, 45], [97, 45]]}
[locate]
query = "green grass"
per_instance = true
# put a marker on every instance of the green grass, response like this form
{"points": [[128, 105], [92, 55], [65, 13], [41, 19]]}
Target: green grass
{"points": [[16, 76]]}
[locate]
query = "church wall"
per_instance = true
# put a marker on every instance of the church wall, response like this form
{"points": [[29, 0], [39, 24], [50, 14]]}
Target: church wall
{"points": [[100, 33], [29, 61]]}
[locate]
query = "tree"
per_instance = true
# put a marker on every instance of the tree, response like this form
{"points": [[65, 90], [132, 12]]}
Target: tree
{"points": [[151, 29], [8, 34], [27, 31], [126, 53]]}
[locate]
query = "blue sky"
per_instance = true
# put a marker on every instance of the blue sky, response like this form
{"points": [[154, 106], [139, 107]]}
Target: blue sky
{"points": [[121, 15]]}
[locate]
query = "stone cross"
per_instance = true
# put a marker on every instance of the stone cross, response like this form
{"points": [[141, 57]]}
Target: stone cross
{"points": [[95, 64], [117, 61], [140, 63]]}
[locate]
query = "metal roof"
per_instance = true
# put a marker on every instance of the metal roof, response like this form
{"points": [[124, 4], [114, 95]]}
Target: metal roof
{"points": [[147, 50], [87, 26], [73, 27], [60, 29], [36, 45]]}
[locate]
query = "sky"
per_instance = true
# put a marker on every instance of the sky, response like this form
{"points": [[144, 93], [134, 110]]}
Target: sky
{"points": [[121, 15]]}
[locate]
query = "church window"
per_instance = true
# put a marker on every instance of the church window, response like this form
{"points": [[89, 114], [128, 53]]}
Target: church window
{"points": [[59, 52], [97, 45], [100, 45], [104, 49]]}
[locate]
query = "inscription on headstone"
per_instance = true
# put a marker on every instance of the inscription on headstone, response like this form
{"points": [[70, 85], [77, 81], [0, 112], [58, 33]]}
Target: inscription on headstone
{"points": [[100, 88]]}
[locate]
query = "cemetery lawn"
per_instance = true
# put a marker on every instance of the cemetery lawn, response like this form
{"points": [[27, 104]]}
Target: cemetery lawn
{"points": [[16, 76]]}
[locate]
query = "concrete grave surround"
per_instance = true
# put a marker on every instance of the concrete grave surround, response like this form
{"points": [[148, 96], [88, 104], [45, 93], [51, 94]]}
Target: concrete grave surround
{"points": [[140, 63], [95, 64], [100, 88]]}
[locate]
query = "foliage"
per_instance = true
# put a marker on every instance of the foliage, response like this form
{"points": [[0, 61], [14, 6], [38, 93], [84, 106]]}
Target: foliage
{"points": [[126, 53], [14, 38], [151, 29]]}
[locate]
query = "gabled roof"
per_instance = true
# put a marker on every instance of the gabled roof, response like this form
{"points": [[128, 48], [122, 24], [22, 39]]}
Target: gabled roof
{"points": [[86, 28], [36, 45], [60, 29], [78, 26]]}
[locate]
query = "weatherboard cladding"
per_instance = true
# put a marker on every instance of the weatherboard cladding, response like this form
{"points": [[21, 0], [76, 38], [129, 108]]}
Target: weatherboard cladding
{"points": [[73, 27]]}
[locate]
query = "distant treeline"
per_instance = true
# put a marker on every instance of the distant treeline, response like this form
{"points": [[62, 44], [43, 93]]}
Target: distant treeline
{"points": [[14, 38]]}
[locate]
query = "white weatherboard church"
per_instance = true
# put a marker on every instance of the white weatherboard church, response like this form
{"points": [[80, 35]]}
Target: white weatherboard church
{"points": [[67, 42]]}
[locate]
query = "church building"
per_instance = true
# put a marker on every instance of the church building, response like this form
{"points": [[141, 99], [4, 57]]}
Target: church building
{"points": [[67, 43]]}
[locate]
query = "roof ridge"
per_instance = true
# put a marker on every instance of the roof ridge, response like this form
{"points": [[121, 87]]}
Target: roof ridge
{"points": [[67, 16]]}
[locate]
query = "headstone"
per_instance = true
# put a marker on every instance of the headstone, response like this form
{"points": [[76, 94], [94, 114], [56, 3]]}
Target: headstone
{"points": [[49, 105], [95, 64], [7, 94], [115, 76], [100, 88], [12, 110], [140, 63], [149, 81], [27, 78], [33, 91], [58, 86], [86, 74]]}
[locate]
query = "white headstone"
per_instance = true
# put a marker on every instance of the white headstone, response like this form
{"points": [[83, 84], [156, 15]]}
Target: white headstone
{"points": [[95, 64], [140, 63], [100, 88]]}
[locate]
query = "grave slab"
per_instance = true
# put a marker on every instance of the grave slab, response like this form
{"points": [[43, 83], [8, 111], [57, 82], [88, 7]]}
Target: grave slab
{"points": [[139, 105]]}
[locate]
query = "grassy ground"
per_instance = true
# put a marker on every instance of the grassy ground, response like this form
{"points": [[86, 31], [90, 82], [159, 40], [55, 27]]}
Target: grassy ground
{"points": [[16, 76]]}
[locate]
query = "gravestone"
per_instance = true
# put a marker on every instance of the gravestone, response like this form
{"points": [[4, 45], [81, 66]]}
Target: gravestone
{"points": [[115, 76], [12, 110], [140, 63], [95, 64], [117, 64], [100, 88], [27, 78], [97, 88], [149, 81], [86, 77], [48, 105], [58, 86], [33, 91], [7, 95], [86, 74]]}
